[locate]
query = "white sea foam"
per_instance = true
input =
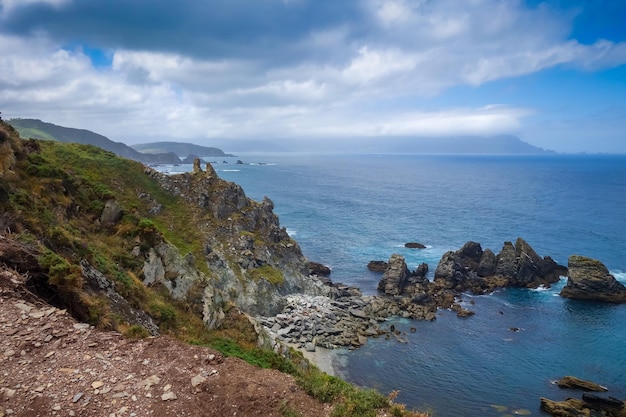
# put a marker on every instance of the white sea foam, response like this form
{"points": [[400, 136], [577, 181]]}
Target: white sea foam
{"points": [[291, 232], [620, 276], [230, 170]]}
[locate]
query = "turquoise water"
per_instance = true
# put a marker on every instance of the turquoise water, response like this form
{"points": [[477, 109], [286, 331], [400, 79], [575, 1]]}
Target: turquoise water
{"points": [[347, 210]]}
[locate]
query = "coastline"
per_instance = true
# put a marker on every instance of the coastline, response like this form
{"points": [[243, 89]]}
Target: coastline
{"points": [[323, 358]]}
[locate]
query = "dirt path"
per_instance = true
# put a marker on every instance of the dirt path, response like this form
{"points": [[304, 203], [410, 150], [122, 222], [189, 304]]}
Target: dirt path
{"points": [[50, 365]]}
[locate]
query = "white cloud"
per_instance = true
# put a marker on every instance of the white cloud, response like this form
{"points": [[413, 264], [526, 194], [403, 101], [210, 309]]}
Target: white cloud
{"points": [[333, 86], [8, 6]]}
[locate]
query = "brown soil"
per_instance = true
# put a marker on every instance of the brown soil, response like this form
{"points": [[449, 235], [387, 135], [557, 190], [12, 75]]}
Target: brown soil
{"points": [[51, 365]]}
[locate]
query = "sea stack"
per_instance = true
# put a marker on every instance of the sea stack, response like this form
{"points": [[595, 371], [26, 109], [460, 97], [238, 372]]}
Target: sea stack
{"points": [[589, 279]]}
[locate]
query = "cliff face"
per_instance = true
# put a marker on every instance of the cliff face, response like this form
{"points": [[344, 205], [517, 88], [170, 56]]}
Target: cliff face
{"points": [[253, 261], [101, 228]]}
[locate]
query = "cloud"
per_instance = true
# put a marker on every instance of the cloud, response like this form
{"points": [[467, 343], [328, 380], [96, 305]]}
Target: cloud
{"points": [[275, 68]]}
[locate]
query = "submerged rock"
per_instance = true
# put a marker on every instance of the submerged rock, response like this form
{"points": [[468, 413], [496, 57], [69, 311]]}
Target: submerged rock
{"points": [[589, 279]]}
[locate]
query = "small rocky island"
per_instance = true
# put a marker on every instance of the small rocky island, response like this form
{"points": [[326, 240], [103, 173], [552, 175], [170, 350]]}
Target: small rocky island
{"points": [[589, 279]]}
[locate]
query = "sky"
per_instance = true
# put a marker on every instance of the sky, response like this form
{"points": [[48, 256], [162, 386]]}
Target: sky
{"points": [[220, 72]]}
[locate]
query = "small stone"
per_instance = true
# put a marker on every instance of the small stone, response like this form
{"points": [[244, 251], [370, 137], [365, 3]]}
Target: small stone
{"points": [[167, 387], [8, 393], [77, 397], [169, 395], [9, 353], [49, 354], [25, 308], [97, 384], [197, 380], [57, 408], [37, 314]]}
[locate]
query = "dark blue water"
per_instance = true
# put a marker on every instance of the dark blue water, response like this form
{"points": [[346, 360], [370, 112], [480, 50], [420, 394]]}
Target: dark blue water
{"points": [[347, 210]]}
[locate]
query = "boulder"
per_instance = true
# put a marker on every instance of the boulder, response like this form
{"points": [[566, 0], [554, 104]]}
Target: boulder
{"points": [[414, 245], [395, 277], [318, 269], [111, 213], [589, 279], [377, 266]]}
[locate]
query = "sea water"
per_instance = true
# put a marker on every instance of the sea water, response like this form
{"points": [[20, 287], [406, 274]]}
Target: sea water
{"points": [[345, 210]]}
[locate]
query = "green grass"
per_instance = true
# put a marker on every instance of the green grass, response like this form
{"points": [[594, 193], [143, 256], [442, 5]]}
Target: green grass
{"points": [[29, 132], [269, 273]]}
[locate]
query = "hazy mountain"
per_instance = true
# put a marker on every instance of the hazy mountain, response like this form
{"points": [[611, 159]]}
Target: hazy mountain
{"points": [[179, 148], [504, 144]]}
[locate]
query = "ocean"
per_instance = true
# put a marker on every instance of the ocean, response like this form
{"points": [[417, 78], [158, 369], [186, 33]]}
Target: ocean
{"points": [[345, 210]]}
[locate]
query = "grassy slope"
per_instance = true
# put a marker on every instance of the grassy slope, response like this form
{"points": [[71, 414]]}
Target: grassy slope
{"points": [[61, 191]]}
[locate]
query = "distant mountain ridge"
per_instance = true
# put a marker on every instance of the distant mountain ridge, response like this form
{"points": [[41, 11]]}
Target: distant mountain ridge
{"points": [[488, 145], [179, 148], [148, 153], [37, 129]]}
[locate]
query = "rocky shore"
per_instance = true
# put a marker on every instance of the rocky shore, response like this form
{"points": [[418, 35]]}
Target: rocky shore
{"points": [[346, 318]]}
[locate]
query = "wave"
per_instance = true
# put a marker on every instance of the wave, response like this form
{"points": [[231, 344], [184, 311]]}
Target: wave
{"points": [[620, 276], [291, 232], [230, 170]]}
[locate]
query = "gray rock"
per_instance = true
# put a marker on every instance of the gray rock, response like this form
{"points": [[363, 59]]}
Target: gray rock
{"points": [[111, 213], [589, 279], [395, 277]]}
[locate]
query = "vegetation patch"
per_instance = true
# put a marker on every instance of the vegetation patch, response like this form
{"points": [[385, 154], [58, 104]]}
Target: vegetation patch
{"points": [[269, 273]]}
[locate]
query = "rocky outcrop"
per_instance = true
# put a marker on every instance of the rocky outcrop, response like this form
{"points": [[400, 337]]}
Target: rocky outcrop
{"points": [[252, 261], [377, 266], [9, 146], [414, 245], [98, 283], [577, 383], [589, 279], [111, 213], [472, 269], [395, 277], [318, 269], [589, 405]]}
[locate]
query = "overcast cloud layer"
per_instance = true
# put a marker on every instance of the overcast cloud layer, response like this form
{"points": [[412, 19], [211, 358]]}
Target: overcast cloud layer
{"points": [[203, 71]]}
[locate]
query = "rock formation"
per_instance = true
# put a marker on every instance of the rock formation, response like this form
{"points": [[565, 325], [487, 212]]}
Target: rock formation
{"points": [[577, 383], [414, 245], [589, 405], [589, 279], [395, 277], [248, 243], [472, 269], [377, 266]]}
